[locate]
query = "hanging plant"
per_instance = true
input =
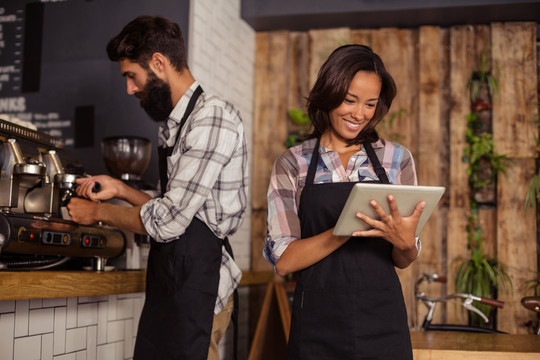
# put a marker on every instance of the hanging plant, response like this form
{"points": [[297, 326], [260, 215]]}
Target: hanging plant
{"points": [[481, 78], [302, 124], [479, 274], [485, 164]]}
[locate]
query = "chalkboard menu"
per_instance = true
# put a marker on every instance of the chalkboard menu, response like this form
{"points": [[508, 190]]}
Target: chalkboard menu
{"points": [[55, 74], [11, 50], [21, 33]]}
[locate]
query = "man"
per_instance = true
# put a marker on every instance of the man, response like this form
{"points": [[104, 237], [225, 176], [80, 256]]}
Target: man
{"points": [[203, 183]]}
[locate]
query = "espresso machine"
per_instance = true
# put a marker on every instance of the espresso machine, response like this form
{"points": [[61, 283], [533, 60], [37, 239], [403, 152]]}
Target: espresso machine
{"points": [[127, 158], [37, 180]]}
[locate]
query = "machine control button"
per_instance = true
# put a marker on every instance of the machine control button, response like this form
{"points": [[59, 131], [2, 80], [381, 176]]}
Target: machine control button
{"points": [[56, 238], [93, 241], [25, 235]]}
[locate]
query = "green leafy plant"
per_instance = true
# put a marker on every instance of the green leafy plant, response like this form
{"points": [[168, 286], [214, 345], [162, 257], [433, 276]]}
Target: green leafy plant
{"points": [[533, 194], [533, 286], [480, 274], [483, 76], [482, 157], [302, 124], [387, 124]]}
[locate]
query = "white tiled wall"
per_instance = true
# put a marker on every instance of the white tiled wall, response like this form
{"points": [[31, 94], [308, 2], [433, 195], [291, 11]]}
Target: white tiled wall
{"points": [[84, 328], [222, 53], [222, 58]]}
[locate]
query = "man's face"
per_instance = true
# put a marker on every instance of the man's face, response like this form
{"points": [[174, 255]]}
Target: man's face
{"points": [[154, 94]]}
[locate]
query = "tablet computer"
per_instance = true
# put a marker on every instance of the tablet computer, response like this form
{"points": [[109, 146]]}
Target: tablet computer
{"points": [[407, 197]]}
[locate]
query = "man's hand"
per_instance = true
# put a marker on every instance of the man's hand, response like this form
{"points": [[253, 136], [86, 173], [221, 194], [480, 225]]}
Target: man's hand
{"points": [[83, 211], [98, 188]]}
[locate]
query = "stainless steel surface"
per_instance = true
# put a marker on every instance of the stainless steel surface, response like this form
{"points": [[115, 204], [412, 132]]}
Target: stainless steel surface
{"points": [[36, 168], [46, 236], [37, 180], [126, 157]]}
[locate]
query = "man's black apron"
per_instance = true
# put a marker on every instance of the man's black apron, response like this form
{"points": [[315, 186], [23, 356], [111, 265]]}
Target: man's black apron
{"points": [[181, 286], [350, 304]]}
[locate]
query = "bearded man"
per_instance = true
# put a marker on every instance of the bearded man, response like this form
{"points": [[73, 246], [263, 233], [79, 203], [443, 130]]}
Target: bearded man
{"points": [[191, 274]]}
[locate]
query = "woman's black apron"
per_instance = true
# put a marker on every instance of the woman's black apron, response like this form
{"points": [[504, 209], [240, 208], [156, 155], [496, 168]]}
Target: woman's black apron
{"points": [[181, 286], [350, 304]]}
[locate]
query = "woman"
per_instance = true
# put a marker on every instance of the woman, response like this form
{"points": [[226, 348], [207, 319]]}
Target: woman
{"points": [[348, 302]]}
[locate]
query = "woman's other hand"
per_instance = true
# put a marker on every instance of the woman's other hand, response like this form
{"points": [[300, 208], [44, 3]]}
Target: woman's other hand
{"points": [[398, 230]]}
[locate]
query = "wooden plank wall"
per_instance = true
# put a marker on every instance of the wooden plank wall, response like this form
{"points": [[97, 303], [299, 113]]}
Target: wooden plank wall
{"points": [[432, 139], [431, 67], [466, 44], [514, 111]]}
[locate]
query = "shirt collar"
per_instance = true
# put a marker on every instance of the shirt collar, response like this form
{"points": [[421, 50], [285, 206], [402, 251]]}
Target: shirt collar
{"points": [[181, 105], [169, 128], [307, 147]]}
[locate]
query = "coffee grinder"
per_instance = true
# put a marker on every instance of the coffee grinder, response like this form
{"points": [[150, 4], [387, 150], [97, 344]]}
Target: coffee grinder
{"points": [[127, 158]]}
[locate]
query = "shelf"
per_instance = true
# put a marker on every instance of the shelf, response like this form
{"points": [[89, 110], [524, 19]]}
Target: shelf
{"points": [[16, 285]]}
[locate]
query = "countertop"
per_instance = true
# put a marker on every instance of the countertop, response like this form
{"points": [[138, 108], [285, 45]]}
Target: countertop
{"points": [[16, 285]]}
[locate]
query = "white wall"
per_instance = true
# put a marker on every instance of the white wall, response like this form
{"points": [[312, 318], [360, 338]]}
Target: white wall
{"points": [[222, 58]]}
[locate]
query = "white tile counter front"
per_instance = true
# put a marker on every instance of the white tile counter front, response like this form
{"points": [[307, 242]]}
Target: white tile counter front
{"points": [[69, 315], [91, 328]]}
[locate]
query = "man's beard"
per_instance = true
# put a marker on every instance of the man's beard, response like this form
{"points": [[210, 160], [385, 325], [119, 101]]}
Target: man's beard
{"points": [[155, 98]]}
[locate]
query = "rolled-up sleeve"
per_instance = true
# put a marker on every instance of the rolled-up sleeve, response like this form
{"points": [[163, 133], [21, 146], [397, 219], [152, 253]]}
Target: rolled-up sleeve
{"points": [[282, 219]]}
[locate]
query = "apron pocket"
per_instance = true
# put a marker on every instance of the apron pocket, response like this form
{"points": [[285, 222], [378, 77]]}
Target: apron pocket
{"points": [[326, 328], [168, 269]]}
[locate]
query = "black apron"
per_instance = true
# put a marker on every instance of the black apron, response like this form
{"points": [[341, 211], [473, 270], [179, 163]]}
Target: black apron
{"points": [[181, 286], [350, 304]]}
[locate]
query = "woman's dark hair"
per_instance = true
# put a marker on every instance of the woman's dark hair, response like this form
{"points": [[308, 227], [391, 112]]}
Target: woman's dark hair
{"points": [[332, 85], [146, 35]]}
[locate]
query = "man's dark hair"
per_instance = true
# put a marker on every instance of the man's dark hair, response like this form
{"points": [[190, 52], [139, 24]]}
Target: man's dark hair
{"points": [[333, 82], [146, 35]]}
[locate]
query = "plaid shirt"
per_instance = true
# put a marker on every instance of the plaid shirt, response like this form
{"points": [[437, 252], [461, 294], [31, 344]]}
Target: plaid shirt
{"points": [[207, 179], [289, 177]]}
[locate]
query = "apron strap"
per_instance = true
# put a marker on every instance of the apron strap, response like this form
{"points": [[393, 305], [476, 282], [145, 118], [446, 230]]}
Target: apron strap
{"points": [[379, 170], [164, 152], [189, 109], [313, 163]]}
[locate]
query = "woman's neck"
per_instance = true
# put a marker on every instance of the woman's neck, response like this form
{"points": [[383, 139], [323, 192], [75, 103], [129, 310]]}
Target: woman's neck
{"points": [[332, 142], [337, 144]]}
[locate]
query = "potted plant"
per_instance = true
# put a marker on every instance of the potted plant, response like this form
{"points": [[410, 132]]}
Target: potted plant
{"points": [[485, 164], [480, 274]]}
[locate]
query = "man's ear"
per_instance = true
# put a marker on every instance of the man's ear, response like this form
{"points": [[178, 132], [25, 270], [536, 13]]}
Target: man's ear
{"points": [[158, 63]]}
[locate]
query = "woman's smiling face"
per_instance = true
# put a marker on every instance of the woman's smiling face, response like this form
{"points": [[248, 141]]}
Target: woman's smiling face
{"points": [[358, 107]]}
